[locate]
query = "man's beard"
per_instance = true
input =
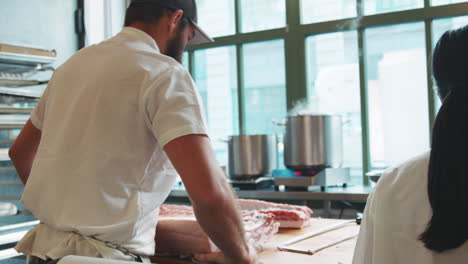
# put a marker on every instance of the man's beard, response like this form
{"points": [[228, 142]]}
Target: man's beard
{"points": [[175, 47]]}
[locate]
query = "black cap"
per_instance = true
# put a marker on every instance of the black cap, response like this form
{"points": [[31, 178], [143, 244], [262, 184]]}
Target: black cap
{"points": [[189, 7]]}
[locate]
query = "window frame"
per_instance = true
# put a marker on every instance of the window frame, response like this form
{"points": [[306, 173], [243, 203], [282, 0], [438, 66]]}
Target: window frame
{"points": [[295, 34]]}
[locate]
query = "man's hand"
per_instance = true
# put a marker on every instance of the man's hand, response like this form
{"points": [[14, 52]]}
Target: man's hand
{"points": [[219, 258], [212, 197], [23, 151]]}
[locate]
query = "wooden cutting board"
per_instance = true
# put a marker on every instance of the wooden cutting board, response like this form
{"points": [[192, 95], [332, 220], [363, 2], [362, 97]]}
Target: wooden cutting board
{"points": [[338, 254]]}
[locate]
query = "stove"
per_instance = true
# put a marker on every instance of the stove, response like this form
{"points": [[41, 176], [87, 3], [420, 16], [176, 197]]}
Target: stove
{"points": [[260, 183], [302, 180]]}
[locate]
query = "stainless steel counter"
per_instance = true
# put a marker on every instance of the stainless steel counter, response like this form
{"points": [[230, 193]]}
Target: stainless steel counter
{"points": [[352, 193]]}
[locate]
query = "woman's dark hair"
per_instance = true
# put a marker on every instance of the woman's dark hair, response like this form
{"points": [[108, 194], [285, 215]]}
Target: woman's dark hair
{"points": [[147, 13], [448, 165]]}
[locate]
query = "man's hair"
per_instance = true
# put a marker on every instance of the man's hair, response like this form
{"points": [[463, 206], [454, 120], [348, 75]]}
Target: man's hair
{"points": [[148, 14]]}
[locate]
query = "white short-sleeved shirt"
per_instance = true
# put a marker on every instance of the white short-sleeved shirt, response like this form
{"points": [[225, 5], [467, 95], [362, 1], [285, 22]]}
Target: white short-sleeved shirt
{"points": [[100, 169], [396, 214]]}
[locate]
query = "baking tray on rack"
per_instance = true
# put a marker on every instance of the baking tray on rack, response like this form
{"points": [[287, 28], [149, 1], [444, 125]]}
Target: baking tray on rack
{"points": [[14, 58], [20, 83], [19, 92], [26, 55]]}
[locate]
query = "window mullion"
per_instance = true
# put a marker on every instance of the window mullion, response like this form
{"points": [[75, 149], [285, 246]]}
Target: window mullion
{"points": [[295, 62], [191, 62], [359, 8], [238, 16], [366, 160], [241, 89], [427, 3], [430, 84], [240, 70]]}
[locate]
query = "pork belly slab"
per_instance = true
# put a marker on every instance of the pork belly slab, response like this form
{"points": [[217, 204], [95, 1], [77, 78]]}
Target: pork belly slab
{"points": [[289, 216], [180, 234]]}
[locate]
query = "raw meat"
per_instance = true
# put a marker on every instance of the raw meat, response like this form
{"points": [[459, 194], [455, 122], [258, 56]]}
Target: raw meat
{"points": [[175, 210], [262, 205], [178, 232], [289, 216], [259, 228]]}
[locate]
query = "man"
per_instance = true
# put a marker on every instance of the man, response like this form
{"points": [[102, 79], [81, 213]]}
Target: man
{"points": [[98, 154]]}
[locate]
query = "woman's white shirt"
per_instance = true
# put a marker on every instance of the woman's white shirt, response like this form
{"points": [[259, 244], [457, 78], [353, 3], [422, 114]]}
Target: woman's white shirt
{"points": [[397, 212]]}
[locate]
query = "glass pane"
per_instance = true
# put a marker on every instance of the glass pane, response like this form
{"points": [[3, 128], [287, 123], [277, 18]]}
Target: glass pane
{"points": [[185, 60], [265, 86], [439, 27], [217, 18], [334, 88], [94, 22], [446, 2], [262, 14], [397, 91], [103, 19], [216, 78], [384, 6], [326, 10]]}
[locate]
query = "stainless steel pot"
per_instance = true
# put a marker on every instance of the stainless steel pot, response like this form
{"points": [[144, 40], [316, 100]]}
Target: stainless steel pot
{"points": [[313, 141], [251, 156]]}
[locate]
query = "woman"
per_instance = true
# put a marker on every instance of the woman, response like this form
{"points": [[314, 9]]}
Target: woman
{"points": [[418, 212]]}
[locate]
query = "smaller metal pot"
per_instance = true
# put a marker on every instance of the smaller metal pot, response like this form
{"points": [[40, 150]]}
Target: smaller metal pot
{"points": [[252, 156]]}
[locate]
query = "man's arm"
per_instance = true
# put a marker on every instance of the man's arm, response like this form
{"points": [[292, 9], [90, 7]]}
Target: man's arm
{"points": [[24, 149], [211, 195]]}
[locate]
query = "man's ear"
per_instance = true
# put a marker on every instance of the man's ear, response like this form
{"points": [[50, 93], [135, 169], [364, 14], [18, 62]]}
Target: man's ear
{"points": [[175, 19]]}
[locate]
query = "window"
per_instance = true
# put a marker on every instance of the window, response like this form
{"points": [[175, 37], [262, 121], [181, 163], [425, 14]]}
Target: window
{"points": [[185, 60], [397, 91], [334, 88], [103, 19], [372, 7], [262, 14], [445, 2], [317, 11], [320, 58], [216, 78], [265, 86], [217, 18], [439, 27]]}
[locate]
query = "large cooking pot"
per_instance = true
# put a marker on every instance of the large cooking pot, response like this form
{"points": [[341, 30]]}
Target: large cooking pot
{"points": [[252, 156], [313, 142]]}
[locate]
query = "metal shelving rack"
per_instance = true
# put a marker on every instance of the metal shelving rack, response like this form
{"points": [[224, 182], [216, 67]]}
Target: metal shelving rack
{"points": [[16, 64], [23, 59]]}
